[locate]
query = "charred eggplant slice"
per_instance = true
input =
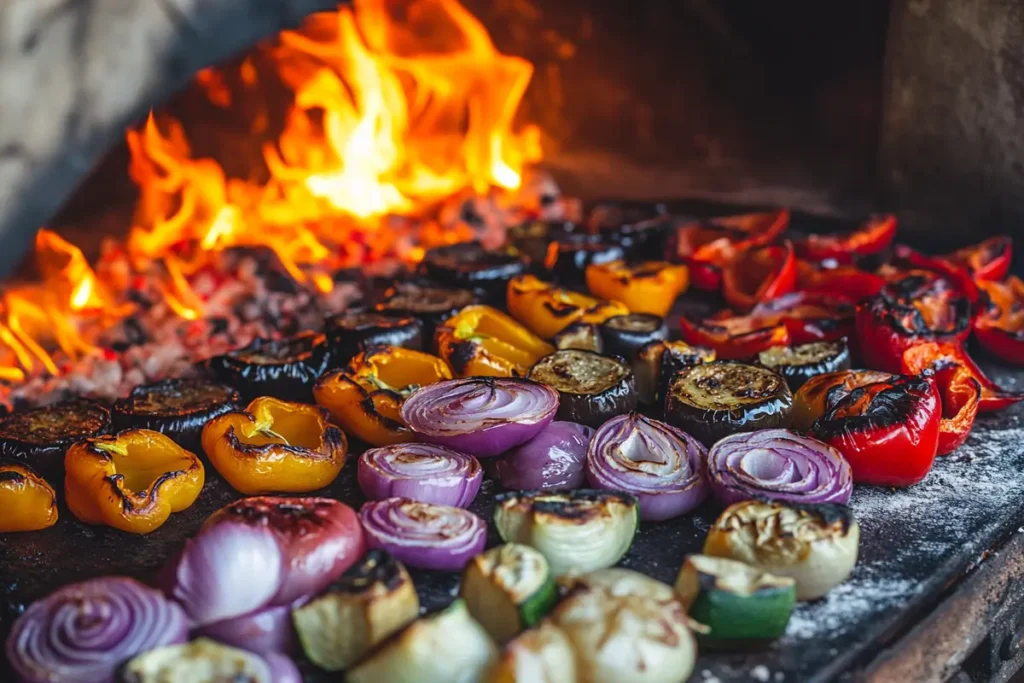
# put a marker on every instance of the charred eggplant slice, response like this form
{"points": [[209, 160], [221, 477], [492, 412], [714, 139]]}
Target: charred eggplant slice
{"points": [[352, 332], [642, 228], [469, 266], [591, 388], [430, 305], [178, 408], [625, 335], [716, 399], [657, 364], [567, 258], [797, 364], [38, 437], [285, 369], [530, 240]]}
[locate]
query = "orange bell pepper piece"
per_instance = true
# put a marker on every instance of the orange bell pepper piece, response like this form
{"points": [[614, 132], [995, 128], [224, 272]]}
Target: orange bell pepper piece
{"points": [[547, 309], [365, 398], [28, 502], [131, 481], [275, 446], [480, 341], [649, 287]]}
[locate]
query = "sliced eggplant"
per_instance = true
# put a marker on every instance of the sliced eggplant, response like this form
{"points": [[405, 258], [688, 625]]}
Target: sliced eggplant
{"points": [[446, 647], [642, 228], [351, 332], [577, 531], [717, 399], [541, 655], [657, 364], [580, 335], [468, 265], [508, 589], [179, 408], [797, 364], [625, 335], [530, 240], [38, 437], [568, 257], [429, 304], [591, 388], [285, 369], [201, 661], [742, 606], [372, 600]]}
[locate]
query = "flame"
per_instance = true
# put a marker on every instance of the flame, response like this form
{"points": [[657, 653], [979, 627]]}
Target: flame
{"points": [[396, 107]]}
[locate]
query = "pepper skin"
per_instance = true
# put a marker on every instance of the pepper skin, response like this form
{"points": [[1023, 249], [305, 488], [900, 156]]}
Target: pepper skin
{"points": [[921, 307], [365, 398], [131, 481], [28, 502], [708, 246], [648, 287], [959, 392], [888, 431], [810, 400], [758, 275], [929, 354], [1000, 327], [908, 262], [845, 282], [547, 310], [275, 446], [986, 261], [480, 341], [871, 238]]}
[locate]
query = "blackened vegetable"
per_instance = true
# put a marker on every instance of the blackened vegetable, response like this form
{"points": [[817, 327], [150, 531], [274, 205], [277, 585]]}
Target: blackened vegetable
{"points": [[717, 399], [591, 388], [178, 408], [38, 437], [468, 265], [797, 364], [625, 335], [531, 240], [567, 259], [285, 368], [430, 305], [642, 229], [657, 364], [354, 331]]}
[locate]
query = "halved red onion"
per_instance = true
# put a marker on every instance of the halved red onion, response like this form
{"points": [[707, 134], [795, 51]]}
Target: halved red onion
{"points": [[482, 416], [422, 534], [420, 471], [262, 552], [86, 631], [264, 631], [778, 464], [554, 459], [658, 463]]}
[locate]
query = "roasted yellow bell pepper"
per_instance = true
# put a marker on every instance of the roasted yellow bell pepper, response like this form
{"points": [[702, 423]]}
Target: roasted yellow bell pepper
{"points": [[365, 398], [648, 287], [27, 501], [547, 309], [275, 446], [131, 481], [480, 341]]}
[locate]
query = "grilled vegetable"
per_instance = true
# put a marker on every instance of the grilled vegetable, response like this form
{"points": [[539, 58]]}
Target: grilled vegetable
{"points": [[987, 261], [816, 545], [285, 369], [625, 335], [929, 354], [446, 647], [960, 393], [591, 388], [741, 605], [871, 239], [579, 530], [275, 446], [720, 398], [28, 501], [848, 283], [38, 437], [583, 336], [650, 287], [131, 481], [641, 228], [420, 471], [176, 407], [757, 275], [553, 459], [372, 600], [428, 304], [366, 397], [507, 589], [354, 331], [207, 661], [540, 655], [532, 239], [483, 341], [797, 364], [423, 535], [568, 258], [1000, 327], [709, 246], [657, 364], [547, 310], [468, 265], [811, 400]]}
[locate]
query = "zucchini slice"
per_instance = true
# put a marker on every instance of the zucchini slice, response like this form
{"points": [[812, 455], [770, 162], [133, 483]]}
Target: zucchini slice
{"points": [[591, 388]]}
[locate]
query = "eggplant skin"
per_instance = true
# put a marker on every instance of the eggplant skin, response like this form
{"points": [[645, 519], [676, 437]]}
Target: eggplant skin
{"points": [[800, 363], [38, 437], [351, 332], [714, 400], [431, 305], [468, 265], [286, 369], [179, 408], [625, 335], [577, 402]]}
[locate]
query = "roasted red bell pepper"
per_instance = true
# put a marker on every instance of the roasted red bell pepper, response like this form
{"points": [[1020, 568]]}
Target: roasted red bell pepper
{"points": [[921, 307], [907, 261], [844, 282], [985, 261], [1000, 327], [887, 430], [873, 237], [708, 246], [929, 354], [959, 390], [758, 275], [734, 338]]}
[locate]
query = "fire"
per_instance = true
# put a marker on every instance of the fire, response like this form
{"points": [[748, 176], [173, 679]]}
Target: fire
{"points": [[397, 107]]}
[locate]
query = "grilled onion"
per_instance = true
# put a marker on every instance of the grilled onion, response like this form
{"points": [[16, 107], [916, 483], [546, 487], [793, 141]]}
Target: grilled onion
{"points": [[423, 535], [420, 471], [551, 460], [207, 661]]}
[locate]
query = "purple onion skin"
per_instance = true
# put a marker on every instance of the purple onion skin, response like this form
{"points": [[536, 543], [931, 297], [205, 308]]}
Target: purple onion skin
{"points": [[418, 546], [86, 631], [790, 485], [264, 632], [554, 459], [490, 442], [282, 668], [456, 485]]}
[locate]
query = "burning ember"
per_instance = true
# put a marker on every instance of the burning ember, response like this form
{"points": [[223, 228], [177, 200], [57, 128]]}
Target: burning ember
{"points": [[401, 136]]}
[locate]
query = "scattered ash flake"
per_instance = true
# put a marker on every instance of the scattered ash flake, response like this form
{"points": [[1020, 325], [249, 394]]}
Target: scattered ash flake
{"points": [[845, 606], [709, 677], [760, 673]]}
